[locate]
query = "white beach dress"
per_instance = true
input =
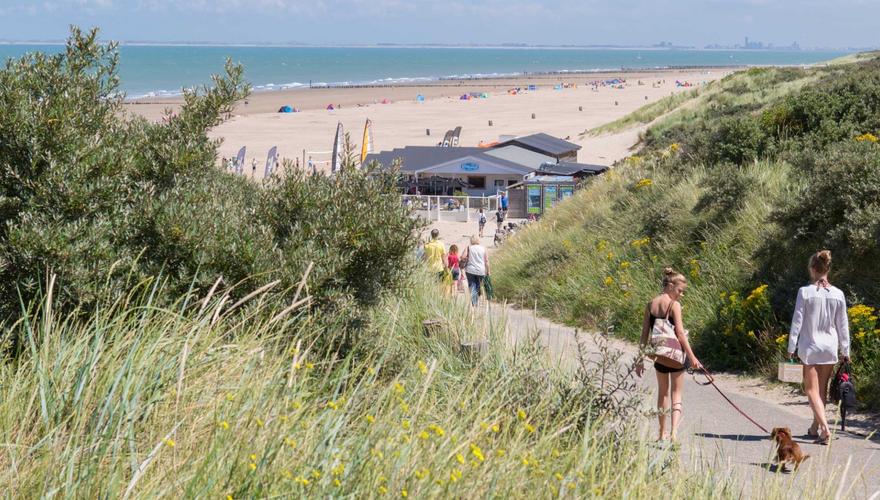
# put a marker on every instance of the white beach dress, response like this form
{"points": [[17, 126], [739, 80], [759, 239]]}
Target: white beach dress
{"points": [[819, 328]]}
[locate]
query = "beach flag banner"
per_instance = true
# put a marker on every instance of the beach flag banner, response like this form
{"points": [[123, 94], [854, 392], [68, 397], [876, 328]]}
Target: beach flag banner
{"points": [[367, 144], [239, 160], [270, 161], [337, 150]]}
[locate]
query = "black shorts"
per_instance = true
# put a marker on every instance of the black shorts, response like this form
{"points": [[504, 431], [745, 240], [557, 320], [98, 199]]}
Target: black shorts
{"points": [[665, 369], [456, 274]]}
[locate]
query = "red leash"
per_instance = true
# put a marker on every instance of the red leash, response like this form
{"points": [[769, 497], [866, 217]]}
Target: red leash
{"points": [[711, 381]]}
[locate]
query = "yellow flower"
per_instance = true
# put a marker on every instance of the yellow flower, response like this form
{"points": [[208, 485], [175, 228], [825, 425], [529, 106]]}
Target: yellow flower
{"points": [[403, 493], [230, 396], [459, 457], [253, 457], [640, 242], [530, 428], [253, 466], [521, 414], [674, 147], [455, 475], [558, 476], [371, 370], [437, 430], [337, 483], [625, 264], [383, 490], [405, 424], [370, 419], [477, 452], [338, 470], [500, 452], [170, 442], [398, 388], [643, 183], [496, 428], [224, 424], [609, 281], [316, 474], [422, 473], [423, 367], [424, 435], [404, 407], [290, 442], [332, 405], [309, 366], [868, 137], [609, 255], [259, 422]]}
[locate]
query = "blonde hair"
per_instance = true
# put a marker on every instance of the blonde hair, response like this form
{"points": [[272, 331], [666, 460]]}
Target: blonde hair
{"points": [[820, 262], [672, 277], [475, 240]]}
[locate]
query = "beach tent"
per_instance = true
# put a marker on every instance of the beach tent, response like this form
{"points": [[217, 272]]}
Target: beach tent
{"points": [[484, 95], [386, 101], [533, 87], [285, 109], [557, 87], [464, 97], [420, 98], [330, 107]]}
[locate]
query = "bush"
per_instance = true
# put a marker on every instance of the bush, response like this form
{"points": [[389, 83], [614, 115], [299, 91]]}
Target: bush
{"points": [[103, 201], [744, 334]]}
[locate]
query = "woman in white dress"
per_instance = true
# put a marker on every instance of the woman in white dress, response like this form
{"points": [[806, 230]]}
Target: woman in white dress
{"points": [[819, 331]]}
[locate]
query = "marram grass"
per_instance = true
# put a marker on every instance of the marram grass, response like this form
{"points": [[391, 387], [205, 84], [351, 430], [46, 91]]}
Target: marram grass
{"points": [[141, 401]]}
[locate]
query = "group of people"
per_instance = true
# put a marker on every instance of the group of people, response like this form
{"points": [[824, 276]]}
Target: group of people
{"points": [[453, 269], [819, 336]]}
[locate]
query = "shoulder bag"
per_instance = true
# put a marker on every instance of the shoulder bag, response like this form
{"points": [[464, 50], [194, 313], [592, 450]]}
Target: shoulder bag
{"points": [[664, 342]]}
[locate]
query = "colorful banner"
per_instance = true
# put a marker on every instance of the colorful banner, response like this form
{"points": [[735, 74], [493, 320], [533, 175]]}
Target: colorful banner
{"points": [[239, 160], [549, 197], [566, 192], [271, 160], [336, 161], [533, 199], [367, 143]]}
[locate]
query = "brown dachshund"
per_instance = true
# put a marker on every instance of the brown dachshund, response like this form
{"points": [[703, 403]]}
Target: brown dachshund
{"points": [[787, 451]]}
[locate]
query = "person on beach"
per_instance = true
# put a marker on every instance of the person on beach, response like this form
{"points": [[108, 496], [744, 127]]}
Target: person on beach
{"points": [[670, 373], [435, 255], [477, 267], [482, 217], [452, 262], [819, 330]]}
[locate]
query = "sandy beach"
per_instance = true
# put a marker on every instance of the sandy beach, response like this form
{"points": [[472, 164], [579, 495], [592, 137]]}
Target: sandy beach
{"points": [[565, 113]]}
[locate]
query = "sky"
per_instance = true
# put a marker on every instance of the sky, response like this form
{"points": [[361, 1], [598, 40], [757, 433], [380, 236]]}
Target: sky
{"points": [[812, 23]]}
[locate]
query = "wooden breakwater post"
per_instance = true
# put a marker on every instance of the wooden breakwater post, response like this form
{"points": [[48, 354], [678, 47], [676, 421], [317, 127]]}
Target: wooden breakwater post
{"points": [[427, 131], [490, 123], [472, 351], [533, 116], [431, 327]]}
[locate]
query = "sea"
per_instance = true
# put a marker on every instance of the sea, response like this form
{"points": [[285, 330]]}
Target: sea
{"points": [[164, 70]]}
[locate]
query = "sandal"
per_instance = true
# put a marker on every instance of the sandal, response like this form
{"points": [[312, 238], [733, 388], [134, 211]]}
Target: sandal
{"points": [[823, 440], [811, 433]]}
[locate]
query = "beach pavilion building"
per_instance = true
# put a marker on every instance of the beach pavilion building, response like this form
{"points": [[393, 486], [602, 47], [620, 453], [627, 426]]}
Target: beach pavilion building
{"points": [[437, 170]]}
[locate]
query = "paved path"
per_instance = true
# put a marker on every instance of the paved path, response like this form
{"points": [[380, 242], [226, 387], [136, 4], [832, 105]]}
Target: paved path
{"points": [[714, 433]]}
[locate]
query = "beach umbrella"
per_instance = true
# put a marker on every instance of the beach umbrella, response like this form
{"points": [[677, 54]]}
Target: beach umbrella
{"points": [[330, 107], [420, 98]]}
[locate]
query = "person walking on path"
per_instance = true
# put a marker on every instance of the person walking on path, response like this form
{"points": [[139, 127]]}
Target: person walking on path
{"points": [[504, 202], [499, 219], [819, 330], [477, 267], [435, 255], [664, 311], [482, 216], [452, 262]]}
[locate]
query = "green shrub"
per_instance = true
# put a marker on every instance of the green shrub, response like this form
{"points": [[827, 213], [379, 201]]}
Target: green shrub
{"points": [[743, 335], [103, 201]]}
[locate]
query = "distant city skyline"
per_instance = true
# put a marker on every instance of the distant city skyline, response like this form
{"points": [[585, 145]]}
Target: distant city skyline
{"points": [[691, 23]]}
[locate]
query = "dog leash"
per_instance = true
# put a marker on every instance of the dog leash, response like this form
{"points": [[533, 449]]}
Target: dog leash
{"points": [[711, 381]]}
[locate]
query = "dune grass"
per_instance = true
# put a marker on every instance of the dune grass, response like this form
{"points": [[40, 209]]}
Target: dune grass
{"points": [[142, 401], [649, 112]]}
